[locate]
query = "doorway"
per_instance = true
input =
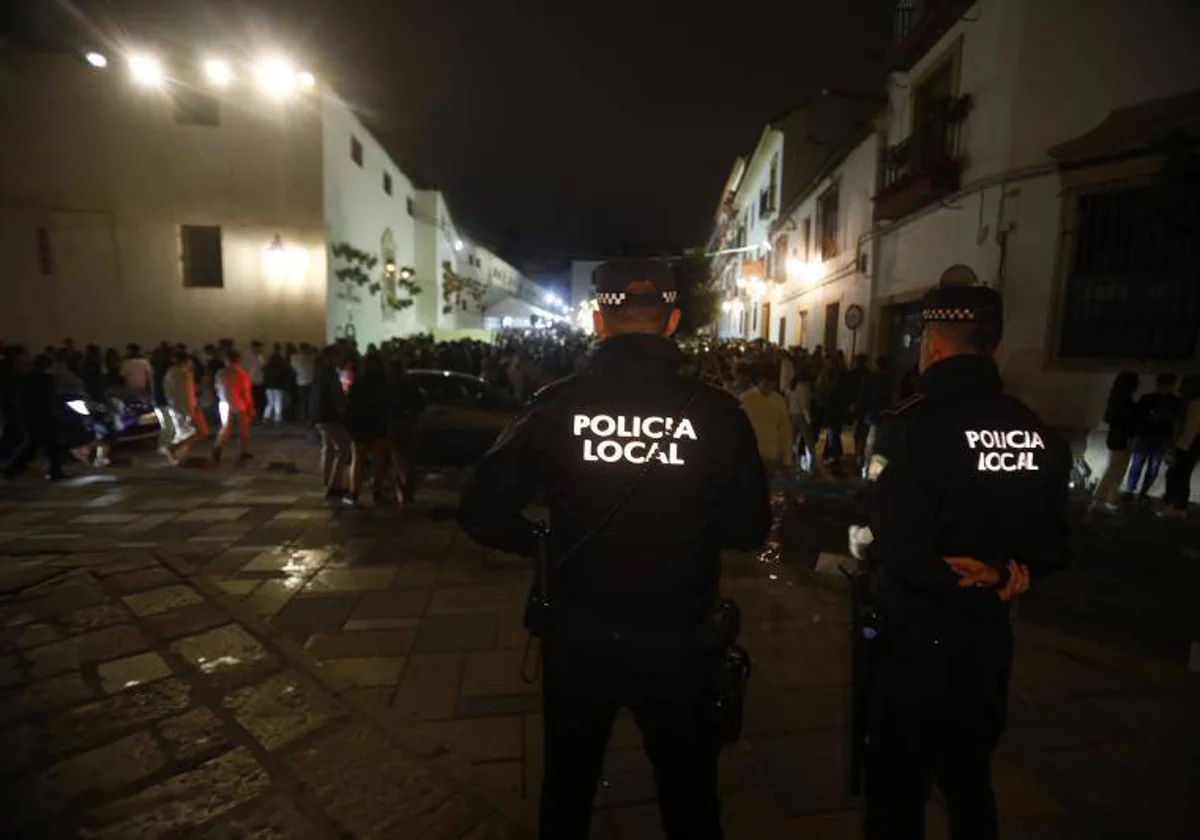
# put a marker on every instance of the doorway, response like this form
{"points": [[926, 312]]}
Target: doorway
{"points": [[833, 314], [802, 337], [903, 338], [782, 341], [766, 322]]}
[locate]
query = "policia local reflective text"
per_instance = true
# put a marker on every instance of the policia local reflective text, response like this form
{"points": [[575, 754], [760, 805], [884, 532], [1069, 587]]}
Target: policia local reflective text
{"points": [[632, 450]]}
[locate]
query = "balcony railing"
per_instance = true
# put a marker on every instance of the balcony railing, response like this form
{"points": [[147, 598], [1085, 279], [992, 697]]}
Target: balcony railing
{"points": [[918, 24], [925, 166]]}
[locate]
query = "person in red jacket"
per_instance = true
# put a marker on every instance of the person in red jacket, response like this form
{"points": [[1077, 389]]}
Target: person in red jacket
{"points": [[236, 395]]}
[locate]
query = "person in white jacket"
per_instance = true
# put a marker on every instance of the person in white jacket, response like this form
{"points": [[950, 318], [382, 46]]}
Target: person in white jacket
{"points": [[179, 388], [799, 400], [768, 413]]}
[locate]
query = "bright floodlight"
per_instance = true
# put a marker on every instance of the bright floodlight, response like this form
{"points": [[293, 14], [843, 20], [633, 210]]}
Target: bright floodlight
{"points": [[146, 70], [306, 80], [276, 76], [458, 245], [96, 59], [218, 72]]}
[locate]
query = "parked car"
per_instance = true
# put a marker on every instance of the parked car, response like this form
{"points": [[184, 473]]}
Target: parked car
{"points": [[463, 414]]}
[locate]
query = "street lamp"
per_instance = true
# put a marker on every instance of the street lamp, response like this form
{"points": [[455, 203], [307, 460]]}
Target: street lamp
{"points": [[147, 70], [96, 59], [306, 80], [276, 76], [458, 244], [218, 72]]}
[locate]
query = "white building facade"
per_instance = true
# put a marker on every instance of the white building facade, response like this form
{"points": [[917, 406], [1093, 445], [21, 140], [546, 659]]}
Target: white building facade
{"points": [[789, 231], [175, 207], [822, 255], [1022, 159]]}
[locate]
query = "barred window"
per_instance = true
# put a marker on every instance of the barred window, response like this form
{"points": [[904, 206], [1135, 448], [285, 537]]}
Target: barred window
{"points": [[1132, 288], [827, 223]]}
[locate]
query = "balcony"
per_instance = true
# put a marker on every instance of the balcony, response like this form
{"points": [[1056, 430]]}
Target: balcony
{"points": [[916, 27], [926, 166]]}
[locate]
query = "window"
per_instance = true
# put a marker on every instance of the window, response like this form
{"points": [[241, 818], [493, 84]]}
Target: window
{"points": [[773, 187], [45, 258], [387, 183], [356, 150], [764, 203], [408, 204], [827, 223], [194, 107], [806, 236], [1132, 277], [202, 257], [832, 322]]}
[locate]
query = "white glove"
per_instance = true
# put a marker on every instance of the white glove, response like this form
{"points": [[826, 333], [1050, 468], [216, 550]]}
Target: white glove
{"points": [[860, 540]]}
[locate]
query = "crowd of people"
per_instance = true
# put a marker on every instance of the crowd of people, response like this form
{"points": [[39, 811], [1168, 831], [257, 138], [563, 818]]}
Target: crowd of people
{"points": [[807, 407], [1144, 432], [803, 405]]}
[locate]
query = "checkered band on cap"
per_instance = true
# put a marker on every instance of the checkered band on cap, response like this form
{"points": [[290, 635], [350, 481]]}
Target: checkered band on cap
{"points": [[621, 298], [949, 315]]}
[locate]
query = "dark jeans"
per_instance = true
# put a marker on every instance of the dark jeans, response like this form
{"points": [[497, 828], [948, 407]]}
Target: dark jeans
{"points": [[303, 403], [44, 441], [1179, 477], [582, 692], [260, 400], [833, 440], [1147, 456], [938, 708]]}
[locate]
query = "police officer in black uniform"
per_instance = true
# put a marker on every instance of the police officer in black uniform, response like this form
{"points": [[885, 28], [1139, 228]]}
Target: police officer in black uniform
{"points": [[631, 590], [967, 500]]}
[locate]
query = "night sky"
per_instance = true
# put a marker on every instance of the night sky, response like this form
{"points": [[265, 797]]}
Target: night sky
{"points": [[559, 129]]}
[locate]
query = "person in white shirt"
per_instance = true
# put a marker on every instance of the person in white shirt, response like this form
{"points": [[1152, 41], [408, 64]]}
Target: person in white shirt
{"points": [[136, 370], [787, 371], [304, 363], [768, 413], [252, 362], [799, 400]]}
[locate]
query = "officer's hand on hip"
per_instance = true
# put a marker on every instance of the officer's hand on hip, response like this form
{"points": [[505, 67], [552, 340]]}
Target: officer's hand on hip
{"points": [[1018, 581], [972, 572]]}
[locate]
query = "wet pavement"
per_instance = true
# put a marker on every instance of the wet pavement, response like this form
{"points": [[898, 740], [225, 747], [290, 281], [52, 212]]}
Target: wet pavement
{"points": [[218, 653]]}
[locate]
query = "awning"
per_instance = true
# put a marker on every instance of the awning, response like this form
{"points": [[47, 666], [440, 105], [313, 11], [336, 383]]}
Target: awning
{"points": [[1133, 130]]}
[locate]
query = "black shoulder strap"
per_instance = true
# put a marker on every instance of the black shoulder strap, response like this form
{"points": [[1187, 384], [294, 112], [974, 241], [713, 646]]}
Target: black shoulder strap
{"points": [[616, 507]]}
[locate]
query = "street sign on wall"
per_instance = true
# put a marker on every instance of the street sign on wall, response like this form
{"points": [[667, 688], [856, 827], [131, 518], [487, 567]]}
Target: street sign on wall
{"points": [[854, 316]]}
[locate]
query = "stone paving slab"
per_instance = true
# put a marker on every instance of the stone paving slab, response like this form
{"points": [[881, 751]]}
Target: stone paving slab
{"points": [[163, 712], [314, 619]]}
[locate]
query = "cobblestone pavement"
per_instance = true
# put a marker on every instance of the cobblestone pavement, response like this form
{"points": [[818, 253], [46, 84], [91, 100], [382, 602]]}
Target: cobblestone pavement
{"points": [[219, 652]]}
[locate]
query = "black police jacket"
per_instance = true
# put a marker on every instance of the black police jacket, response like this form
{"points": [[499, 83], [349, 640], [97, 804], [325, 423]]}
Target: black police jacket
{"points": [[963, 469], [657, 563]]}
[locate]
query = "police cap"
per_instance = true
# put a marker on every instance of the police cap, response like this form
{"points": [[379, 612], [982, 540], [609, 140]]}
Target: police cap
{"points": [[634, 282], [963, 304]]}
